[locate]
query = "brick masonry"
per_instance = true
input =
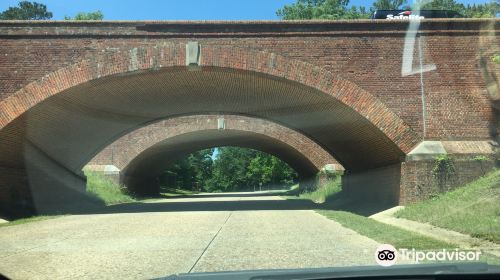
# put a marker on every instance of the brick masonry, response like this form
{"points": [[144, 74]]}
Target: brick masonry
{"points": [[369, 115], [122, 151], [145, 152], [469, 160], [367, 53]]}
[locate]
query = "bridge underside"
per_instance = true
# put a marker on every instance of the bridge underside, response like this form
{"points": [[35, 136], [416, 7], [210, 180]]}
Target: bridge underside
{"points": [[68, 129], [73, 126], [44, 150]]}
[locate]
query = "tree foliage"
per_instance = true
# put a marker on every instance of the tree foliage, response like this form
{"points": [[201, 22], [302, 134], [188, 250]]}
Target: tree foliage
{"points": [[26, 11], [470, 11], [340, 9], [388, 4], [233, 169], [189, 173], [487, 10], [97, 15], [322, 9]]}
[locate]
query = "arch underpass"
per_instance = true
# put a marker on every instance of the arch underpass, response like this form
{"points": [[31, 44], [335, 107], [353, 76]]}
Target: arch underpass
{"points": [[141, 174], [70, 89], [71, 115], [144, 153]]}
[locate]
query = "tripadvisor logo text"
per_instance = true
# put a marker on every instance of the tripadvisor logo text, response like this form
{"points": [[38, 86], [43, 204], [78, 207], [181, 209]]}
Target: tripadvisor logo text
{"points": [[387, 255]]}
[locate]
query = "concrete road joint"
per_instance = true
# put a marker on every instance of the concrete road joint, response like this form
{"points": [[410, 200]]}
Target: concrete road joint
{"points": [[210, 243]]}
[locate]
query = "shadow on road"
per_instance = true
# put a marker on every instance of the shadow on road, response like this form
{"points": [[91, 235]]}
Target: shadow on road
{"points": [[215, 195], [176, 206], [206, 202]]}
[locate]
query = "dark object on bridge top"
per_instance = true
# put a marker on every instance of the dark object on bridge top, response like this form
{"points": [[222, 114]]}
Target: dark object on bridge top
{"points": [[408, 14]]}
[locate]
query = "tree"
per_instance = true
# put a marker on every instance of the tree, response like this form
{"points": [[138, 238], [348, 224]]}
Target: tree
{"points": [[339, 9], [229, 169], [269, 170], [26, 11], [487, 10], [321, 9], [259, 171], [470, 11], [245, 169], [388, 4], [189, 173], [234, 169], [97, 15], [451, 5]]}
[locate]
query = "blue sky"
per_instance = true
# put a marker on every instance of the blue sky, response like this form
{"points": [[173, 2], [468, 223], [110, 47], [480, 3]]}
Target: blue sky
{"points": [[174, 9]]}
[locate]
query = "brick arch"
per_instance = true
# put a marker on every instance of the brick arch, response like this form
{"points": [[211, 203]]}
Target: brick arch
{"points": [[122, 151], [142, 155], [155, 58], [52, 127]]}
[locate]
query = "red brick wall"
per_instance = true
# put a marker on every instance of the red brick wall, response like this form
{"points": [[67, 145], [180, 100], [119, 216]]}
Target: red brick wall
{"points": [[419, 182], [367, 53]]}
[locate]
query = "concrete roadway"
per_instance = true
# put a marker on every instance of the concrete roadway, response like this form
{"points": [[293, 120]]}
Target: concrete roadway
{"points": [[195, 234]]}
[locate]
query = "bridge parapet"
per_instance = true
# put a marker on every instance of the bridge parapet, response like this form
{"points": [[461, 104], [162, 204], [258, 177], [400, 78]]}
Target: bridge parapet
{"points": [[261, 28]]}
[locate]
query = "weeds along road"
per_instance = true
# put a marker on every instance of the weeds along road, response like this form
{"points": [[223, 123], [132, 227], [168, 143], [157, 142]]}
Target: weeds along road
{"points": [[200, 233]]}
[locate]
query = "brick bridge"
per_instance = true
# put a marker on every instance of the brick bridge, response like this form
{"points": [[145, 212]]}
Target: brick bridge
{"points": [[142, 155], [381, 97]]}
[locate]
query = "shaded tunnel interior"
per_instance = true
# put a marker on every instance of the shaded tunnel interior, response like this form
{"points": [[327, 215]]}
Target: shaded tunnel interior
{"points": [[61, 134], [142, 172]]}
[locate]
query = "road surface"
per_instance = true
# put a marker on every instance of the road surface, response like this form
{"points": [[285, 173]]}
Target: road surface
{"points": [[195, 234]]}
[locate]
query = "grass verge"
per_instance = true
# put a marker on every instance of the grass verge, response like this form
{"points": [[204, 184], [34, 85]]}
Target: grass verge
{"points": [[106, 190], [384, 233], [473, 209], [320, 195], [28, 220]]}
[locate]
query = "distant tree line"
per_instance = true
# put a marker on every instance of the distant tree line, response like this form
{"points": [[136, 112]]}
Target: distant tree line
{"points": [[340, 9], [27, 10], [232, 169]]}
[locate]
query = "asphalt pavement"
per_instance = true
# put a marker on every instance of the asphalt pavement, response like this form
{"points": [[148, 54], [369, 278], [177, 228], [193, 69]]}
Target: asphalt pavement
{"points": [[223, 232]]}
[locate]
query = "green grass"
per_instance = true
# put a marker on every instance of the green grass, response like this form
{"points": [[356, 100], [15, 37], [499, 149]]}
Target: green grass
{"points": [[106, 190], [384, 233], [28, 220], [375, 230], [322, 194], [473, 209]]}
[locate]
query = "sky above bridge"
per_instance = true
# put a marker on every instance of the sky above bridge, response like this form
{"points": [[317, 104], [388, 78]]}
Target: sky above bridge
{"points": [[176, 9]]}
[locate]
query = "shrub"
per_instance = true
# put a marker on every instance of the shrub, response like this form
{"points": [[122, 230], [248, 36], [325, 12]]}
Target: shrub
{"points": [[443, 170]]}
